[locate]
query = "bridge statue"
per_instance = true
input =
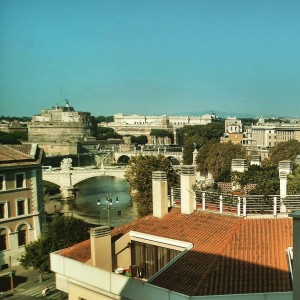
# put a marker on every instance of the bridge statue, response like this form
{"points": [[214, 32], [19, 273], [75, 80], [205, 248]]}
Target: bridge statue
{"points": [[66, 164], [66, 189]]}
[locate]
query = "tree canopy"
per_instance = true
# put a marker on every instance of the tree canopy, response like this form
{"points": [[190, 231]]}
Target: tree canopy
{"points": [[62, 232], [139, 140], [190, 144], [265, 178], [104, 133], [216, 157], [293, 187], [8, 138], [139, 176], [284, 151], [208, 132], [161, 133], [199, 134], [107, 119]]}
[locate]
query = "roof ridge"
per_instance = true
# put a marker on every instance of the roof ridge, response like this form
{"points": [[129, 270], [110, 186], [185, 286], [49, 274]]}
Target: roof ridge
{"points": [[216, 258]]}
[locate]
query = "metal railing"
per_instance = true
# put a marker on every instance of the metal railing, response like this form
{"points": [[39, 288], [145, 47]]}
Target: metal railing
{"points": [[241, 206]]}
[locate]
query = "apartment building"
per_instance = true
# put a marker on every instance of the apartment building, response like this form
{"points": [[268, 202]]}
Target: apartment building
{"points": [[21, 207]]}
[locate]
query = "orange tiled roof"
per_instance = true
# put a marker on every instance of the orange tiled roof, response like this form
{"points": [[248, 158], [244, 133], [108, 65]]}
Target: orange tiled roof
{"points": [[231, 255], [80, 252]]}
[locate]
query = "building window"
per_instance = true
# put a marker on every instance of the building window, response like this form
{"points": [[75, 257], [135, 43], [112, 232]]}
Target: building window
{"points": [[3, 210], [20, 180], [2, 183], [21, 207], [3, 240], [22, 235], [150, 258]]}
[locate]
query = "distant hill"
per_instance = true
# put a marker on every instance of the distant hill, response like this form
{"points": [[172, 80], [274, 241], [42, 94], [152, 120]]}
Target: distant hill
{"points": [[220, 114]]}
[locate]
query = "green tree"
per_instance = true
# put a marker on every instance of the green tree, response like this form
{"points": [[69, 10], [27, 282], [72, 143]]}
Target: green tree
{"points": [[265, 178], [50, 189], [62, 232], [37, 256], [284, 151], [101, 119], [293, 187], [199, 134], [139, 140], [162, 133], [139, 176], [190, 144], [8, 138], [104, 133], [216, 157], [208, 132]]}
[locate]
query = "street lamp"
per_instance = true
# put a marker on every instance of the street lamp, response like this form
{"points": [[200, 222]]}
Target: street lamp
{"points": [[99, 203], [109, 202]]}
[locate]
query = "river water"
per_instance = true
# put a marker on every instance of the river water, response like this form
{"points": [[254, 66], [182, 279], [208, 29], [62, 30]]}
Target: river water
{"points": [[87, 196]]}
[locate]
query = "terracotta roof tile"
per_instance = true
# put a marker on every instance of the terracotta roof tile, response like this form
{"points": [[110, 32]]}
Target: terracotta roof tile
{"points": [[13, 153], [80, 252], [19, 155], [230, 255]]}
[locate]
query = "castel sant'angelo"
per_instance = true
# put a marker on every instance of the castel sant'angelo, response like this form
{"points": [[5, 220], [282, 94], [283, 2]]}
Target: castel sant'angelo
{"points": [[59, 129]]}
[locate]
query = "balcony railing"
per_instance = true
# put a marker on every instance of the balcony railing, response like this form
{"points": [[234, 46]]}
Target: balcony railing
{"points": [[240, 205]]}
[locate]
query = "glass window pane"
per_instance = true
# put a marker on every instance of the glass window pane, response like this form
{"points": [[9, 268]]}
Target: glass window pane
{"points": [[1, 182], [21, 207], [3, 240], [19, 180], [2, 210], [22, 236]]}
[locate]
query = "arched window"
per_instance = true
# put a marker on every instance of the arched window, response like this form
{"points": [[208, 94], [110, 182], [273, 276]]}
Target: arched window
{"points": [[22, 235], [3, 239]]}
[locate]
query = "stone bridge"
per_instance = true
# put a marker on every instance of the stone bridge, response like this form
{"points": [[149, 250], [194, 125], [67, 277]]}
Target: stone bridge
{"points": [[67, 177], [75, 175], [124, 156]]}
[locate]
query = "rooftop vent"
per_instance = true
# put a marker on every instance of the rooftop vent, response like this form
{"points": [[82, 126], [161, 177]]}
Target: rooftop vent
{"points": [[188, 170]]}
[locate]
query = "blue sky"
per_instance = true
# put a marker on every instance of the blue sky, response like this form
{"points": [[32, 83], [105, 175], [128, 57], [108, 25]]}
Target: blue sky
{"points": [[150, 57]]}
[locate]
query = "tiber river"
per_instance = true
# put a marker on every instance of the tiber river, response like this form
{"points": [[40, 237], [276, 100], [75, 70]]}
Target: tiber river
{"points": [[87, 197]]}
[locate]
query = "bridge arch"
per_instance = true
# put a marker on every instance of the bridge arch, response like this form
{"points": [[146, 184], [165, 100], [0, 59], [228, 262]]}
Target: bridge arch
{"points": [[123, 159], [53, 180], [87, 176], [68, 179], [174, 161]]}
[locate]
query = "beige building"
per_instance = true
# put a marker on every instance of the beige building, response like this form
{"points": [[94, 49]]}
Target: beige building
{"points": [[59, 129], [21, 208], [233, 131], [262, 136], [180, 254], [137, 125]]}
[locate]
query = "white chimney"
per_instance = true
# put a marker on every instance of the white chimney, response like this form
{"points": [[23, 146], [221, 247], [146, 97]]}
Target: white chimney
{"points": [[239, 165], [255, 160], [159, 193], [283, 184], [101, 247], [285, 166], [187, 180]]}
